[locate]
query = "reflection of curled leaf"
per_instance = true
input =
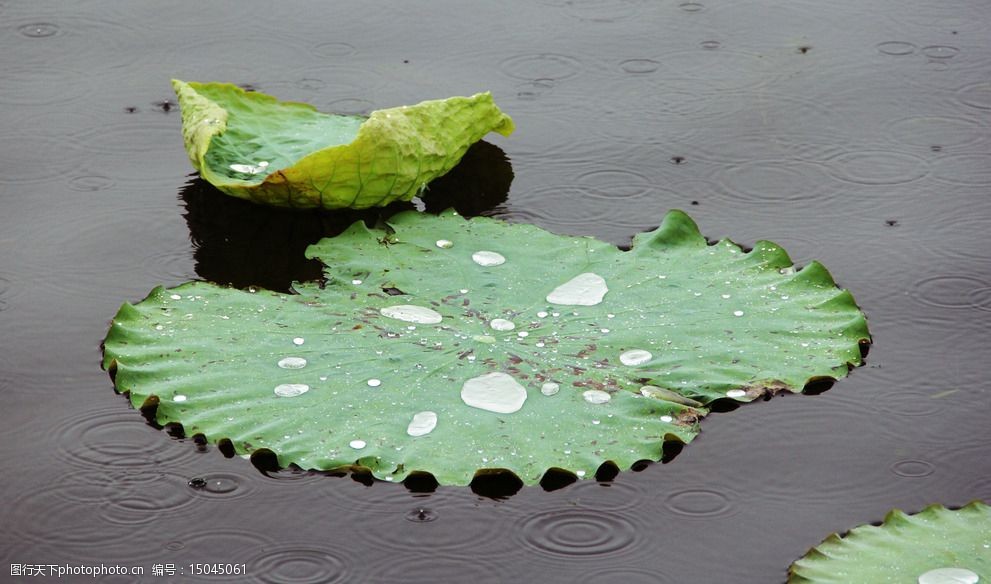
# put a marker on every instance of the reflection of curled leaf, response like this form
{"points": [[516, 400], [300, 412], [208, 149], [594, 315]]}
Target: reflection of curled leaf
{"points": [[935, 546], [251, 146], [453, 346]]}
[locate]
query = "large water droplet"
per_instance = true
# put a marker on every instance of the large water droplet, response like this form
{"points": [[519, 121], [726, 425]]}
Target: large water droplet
{"points": [[949, 576], [501, 324], [585, 289], [357, 444], [291, 389], [494, 392], [635, 357], [411, 313], [596, 396], [249, 168], [550, 388], [735, 393], [445, 243], [292, 363], [488, 258], [423, 423]]}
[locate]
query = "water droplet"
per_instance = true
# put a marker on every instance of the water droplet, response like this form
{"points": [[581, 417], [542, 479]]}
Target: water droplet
{"points": [[494, 392], [603, 330], [422, 424], [667, 419], [291, 389], [445, 243], [411, 313], [523, 334], [550, 388], [357, 444], [596, 422], [175, 297], [248, 168], [488, 258], [501, 324], [463, 290], [179, 398], [298, 341], [725, 295], [735, 393], [38, 30], [356, 282], [635, 357], [949, 576], [596, 396], [487, 339], [292, 363], [737, 313], [580, 473], [586, 289], [421, 515], [374, 382]]}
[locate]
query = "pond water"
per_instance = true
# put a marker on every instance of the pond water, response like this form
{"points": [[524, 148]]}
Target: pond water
{"points": [[856, 133]]}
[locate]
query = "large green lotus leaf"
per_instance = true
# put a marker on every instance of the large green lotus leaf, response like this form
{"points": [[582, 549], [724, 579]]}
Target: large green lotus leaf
{"points": [[634, 343], [252, 146], [935, 546]]}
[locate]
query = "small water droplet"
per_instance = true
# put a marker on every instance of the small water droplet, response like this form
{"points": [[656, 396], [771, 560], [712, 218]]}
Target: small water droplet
{"points": [[580, 473], [501, 324], [550, 388], [291, 389], [357, 444], [735, 393], [488, 258], [603, 330], [539, 344], [422, 424], [445, 243], [586, 289], [179, 398], [494, 392], [298, 341], [596, 422], [635, 357], [292, 363], [523, 334], [175, 297], [374, 382], [542, 314], [463, 290], [356, 282], [596, 396], [949, 576], [725, 295], [197, 483], [421, 515], [667, 419], [411, 313], [737, 313]]}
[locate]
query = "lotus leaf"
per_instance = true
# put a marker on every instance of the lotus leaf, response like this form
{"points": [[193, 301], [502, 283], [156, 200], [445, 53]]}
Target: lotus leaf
{"points": [[451, 346], [252, 146], [934, 546]]}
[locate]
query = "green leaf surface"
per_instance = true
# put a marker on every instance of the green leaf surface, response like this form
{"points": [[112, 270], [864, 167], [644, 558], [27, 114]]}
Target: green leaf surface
{"points": [[934, 546], [252, 146], [631, 345]]}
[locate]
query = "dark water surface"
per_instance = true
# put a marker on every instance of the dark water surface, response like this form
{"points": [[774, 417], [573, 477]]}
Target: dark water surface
{"points": [[857, 133]]}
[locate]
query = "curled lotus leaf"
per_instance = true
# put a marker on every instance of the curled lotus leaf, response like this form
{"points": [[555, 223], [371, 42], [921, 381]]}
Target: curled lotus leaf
{"points": [[255, 147]]}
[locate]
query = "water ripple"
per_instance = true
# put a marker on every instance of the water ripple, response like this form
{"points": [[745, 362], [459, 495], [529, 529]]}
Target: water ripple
{"points": [[936, 131], [302, 563], [553, 66], [972, 170], [953, 291], [976, 95], [702, 503], [580, 534], [878, 167], [116, 438], [153, 497]]}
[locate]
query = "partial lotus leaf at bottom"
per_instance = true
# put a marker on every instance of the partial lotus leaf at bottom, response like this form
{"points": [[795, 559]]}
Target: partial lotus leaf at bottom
{"points": [[252, 146], [450, 346], [934, 546]]}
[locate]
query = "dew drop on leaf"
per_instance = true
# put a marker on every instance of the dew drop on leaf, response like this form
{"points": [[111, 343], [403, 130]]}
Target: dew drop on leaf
{"points": [[411, 313], [357, 444], [488, 258], [735, 393], [550, 388], [292, 363], [635, 357], [374, 382], [291, 389], [501, 324], [422, 424], [586, 289], [494, 392], [179, 398], [298, 341], [596, 396], [949, 576], [445, 243]]}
